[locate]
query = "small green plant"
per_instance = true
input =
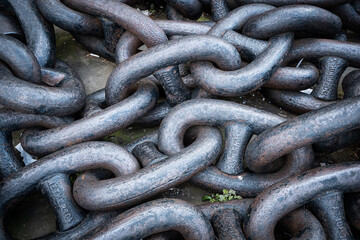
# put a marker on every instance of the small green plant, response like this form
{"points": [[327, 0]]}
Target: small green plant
{"points": [[226, 196]]}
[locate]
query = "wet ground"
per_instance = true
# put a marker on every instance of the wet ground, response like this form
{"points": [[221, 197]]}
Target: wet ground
{"points": [[33, 216]]}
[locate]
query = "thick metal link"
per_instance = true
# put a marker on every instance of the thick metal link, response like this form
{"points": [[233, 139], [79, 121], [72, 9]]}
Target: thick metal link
{"points": [[68, 19], [207, 48], [39, 33], [90, 128], [20, 59], [247, 79], [302, 131], [147, 31], [319, 3], [278, 200], [278, 48], [69, 160], [294, 18], [138, 222], [66, 98], [94, 194]]}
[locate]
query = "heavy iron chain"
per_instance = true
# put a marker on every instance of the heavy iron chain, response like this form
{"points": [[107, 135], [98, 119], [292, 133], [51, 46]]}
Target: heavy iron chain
{"points": [[276, 47]]}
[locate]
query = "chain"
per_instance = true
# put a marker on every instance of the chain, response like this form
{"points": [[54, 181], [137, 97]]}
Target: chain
{"points": [[186, 82]]}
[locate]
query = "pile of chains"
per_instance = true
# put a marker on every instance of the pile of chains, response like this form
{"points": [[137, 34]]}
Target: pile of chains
{"points": [[184, 82]]}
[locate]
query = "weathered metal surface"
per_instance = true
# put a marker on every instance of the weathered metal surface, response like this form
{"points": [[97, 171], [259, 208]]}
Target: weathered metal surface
{"points": [[329, 209], [9, 163], [20, 59], [278, 200], [319, 3], [94, 45], [302, 224], [294, 101], [58, 191], [291, 78], [227, 225], [66, 98], [147, 62], [39, 33], [191, 9], [93, 127], [349, 16], [247, 79], [147, 31], [170, 214], [9, 24], [219, 9], [237, 136], [94, 194], [76, 158], [217, 112], [302, 131], [295, 18], [68, 19], [331, 69], [249, 46], [12, 121], [315, 48], [351, 84], [249, 184], [352, 207]]}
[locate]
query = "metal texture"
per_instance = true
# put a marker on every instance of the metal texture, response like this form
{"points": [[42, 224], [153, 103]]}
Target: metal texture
{"points": [[93, 127], [39, 33], [319, 3], [351, 84], [66, 98], [227, 225], [248, 184], [331, 69], [294, 101], [278, 200], [20, 59], [80, 157], [94, 194], [290, 78], [68, 19], [329, 209], [295, 18], [92, 221], [302, 131], [95, 45], [302, 224], [246, 79], [245, 183], [9, 25], [191, 9], [219, 9], [315, 48], [170, 214], [349, 16], [147, 62], [57, 189], [217, 112], [147, 31], [9, 163], [280, 50], [352, 207], [12, 121], [237, 136]]}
